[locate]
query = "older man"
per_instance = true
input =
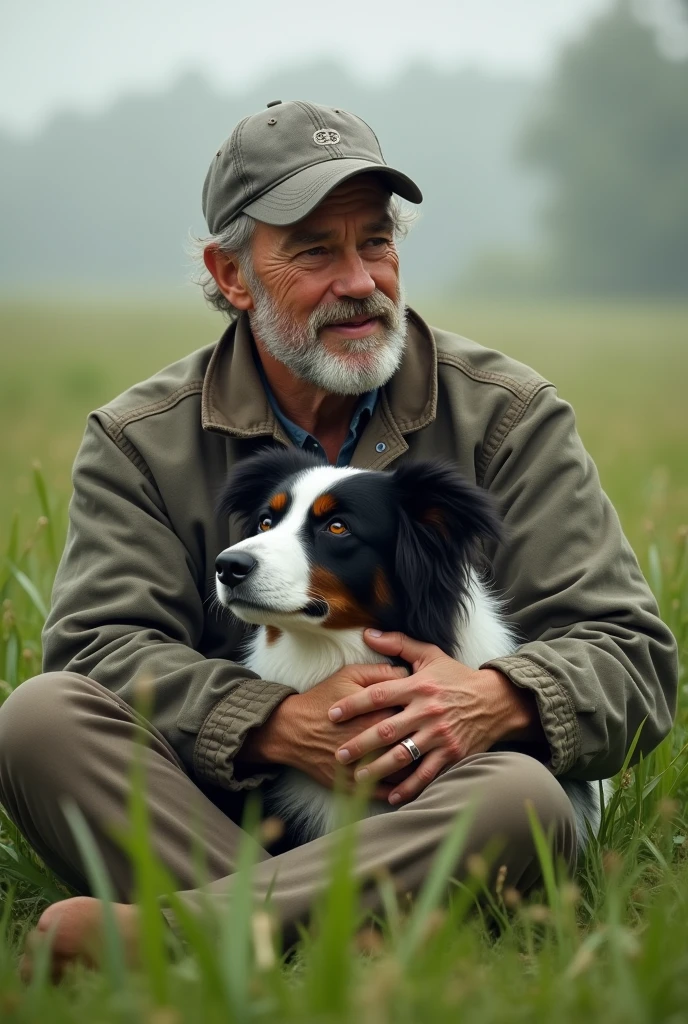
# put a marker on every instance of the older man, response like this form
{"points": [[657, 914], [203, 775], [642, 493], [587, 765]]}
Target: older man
{"points": [[322, 353]]}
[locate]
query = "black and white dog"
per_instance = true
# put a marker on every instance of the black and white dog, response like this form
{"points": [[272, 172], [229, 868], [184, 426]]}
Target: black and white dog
{"points": [[330, 551]]}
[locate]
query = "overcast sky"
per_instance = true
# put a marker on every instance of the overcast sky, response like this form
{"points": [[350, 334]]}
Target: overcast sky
{"points": [[57, 54]]}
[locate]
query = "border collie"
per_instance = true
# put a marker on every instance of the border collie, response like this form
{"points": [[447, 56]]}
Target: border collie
{"points": [[330, 551]]}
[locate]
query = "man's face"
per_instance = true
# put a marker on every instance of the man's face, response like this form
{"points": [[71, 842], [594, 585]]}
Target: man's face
{"points": [[327, 299]]}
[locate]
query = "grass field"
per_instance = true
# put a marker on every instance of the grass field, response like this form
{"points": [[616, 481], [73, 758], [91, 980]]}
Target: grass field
{"points": [[624, 369], [612, 947]]}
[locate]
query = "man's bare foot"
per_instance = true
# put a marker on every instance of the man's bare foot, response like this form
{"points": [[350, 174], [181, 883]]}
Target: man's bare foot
{"points": [[77, 935]]}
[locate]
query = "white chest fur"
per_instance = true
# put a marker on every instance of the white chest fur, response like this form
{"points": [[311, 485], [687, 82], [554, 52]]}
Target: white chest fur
{"points": [[305, 657]]}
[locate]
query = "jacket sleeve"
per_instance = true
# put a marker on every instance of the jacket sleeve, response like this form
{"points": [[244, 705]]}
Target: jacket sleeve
{"points": [[127, 612], [595, 653]]}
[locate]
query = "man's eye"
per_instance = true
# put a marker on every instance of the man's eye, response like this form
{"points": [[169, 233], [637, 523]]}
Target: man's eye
{"points": [[337, 527], [318, 251], [377, 242], [265, 524]]}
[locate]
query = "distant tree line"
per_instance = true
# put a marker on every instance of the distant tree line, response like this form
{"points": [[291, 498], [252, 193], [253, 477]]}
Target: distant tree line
{"points": [[577, 185], [610, 135]]}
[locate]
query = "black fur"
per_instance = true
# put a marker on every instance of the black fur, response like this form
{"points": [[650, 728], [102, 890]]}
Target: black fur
{"points": [[442, 519], [254, 479], [422, 523]]}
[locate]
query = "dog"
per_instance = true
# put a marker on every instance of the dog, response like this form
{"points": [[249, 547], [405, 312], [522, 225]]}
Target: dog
{"points": [[329, 551]]}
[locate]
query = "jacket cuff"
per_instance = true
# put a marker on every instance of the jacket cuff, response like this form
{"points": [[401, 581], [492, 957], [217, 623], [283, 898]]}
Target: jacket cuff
{"points": [[557, 714], [247, 705]]}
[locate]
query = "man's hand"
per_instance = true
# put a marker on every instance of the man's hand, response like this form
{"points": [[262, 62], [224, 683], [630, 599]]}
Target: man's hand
{"points": [[300, 734], [450, 711]]}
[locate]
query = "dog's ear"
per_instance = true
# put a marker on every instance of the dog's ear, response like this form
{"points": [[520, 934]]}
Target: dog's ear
{"points": [[255, 478], [442, 519]]}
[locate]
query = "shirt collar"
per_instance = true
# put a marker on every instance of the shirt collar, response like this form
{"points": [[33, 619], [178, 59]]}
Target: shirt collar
{"points": [[234, 400], [300, 437]]}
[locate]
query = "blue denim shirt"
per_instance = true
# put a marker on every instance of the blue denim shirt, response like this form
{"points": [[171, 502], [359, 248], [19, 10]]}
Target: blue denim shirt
{"points": [[302, 439]]}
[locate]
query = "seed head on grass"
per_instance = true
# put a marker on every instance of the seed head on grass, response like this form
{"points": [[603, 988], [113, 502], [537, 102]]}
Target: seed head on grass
{"points": [[511, 898], [668, 809], [369, 941], [477, 867], [538, 913], [164, 1015], [262, 929], [570, 894], [612, 863], [270, 830]]}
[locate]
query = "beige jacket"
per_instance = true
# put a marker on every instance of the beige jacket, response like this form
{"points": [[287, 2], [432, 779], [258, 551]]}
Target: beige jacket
{"points": [[133, 596]]}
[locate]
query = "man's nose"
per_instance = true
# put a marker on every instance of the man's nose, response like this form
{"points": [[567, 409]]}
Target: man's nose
{"points": [[233, 566], [353, 280]]}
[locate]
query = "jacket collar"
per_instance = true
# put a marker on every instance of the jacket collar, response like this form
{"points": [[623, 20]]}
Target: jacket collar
{"points": [[234, 401]]}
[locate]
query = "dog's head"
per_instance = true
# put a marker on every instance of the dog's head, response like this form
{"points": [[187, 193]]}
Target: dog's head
{"points": [[346, 548]]}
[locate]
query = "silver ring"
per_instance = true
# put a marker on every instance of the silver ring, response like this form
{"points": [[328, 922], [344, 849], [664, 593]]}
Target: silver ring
{"points": [[412, 749]]}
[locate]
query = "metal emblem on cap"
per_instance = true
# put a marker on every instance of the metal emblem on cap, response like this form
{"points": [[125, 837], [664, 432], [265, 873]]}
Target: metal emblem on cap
{"points": [[326, 137]]}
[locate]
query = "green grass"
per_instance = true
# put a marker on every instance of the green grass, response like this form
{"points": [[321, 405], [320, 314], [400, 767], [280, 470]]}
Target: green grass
{"points": [[611, 947], [625, 369]]}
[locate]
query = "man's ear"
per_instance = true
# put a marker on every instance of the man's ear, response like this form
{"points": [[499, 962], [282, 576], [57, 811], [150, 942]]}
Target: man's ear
{"points": [[254, 479], [442, 519], [228, 277]]}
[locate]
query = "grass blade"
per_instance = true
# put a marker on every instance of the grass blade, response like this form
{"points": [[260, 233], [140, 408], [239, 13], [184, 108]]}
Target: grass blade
{"points": [[30, 589], [444, 863], [44, 501], [101, 887]]}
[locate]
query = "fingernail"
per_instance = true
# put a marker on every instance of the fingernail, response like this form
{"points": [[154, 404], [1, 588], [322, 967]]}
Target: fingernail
{"points": [[361, 774], [394, 798], [343, 755], [374, 632], [335, 714]]}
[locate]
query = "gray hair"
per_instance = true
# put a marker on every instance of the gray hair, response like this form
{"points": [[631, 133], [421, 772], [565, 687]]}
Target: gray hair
{"points": [[235, 241]]}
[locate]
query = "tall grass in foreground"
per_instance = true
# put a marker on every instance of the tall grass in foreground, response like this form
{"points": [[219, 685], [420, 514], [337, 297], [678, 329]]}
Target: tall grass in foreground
{"points": [[611, 944]]}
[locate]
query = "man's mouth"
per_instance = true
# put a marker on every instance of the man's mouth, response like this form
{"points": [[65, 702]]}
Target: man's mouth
{"points": [[354, 321], [355, 326]]}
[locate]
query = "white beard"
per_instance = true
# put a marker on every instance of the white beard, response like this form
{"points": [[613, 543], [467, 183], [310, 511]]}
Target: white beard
{"points": [[300, 349]]}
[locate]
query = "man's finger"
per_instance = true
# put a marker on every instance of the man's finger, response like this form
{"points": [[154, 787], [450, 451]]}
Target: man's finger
{"points": [[398, 645], [428, 769], [386, 693], [379, 736], [368, 675]]}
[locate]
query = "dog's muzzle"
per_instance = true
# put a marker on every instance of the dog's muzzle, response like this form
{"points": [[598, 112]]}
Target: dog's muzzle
{"points": [[232, 567]]}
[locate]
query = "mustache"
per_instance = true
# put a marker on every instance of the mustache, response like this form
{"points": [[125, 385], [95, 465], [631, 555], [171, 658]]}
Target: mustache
{"points": [[375, 305]]}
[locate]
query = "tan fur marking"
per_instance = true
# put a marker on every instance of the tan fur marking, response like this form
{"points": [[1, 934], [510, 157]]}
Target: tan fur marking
{"points": [[381, 591], [324, 504], [433, 517], [272, 635], [278, 502], [345, 611]]}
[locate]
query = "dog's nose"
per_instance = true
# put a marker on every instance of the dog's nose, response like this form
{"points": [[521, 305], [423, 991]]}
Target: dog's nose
{"points": [[234, 566]]}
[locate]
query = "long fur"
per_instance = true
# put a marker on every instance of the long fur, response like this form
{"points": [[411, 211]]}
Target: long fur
{"points": [[422, 526]]}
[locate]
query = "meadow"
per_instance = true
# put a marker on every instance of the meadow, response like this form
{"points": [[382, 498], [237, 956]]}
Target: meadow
{"points": [[611, 944]]}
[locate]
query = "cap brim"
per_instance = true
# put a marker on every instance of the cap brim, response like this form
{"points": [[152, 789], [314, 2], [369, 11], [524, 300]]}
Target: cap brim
{"points": [[294, 198]]}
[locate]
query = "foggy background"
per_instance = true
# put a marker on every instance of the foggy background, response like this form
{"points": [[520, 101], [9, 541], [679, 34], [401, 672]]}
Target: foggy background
{"points": [[550, 137]]}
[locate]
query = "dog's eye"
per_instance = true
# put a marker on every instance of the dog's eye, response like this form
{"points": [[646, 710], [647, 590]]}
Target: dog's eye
{"points": [[337, 527], [265, 524]]}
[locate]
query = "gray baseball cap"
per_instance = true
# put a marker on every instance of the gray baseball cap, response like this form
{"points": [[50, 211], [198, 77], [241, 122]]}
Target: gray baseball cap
{"points": [[279, 164]]}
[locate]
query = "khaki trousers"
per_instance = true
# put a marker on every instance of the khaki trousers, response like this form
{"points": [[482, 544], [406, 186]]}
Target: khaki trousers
{"points": [[63, 735]]}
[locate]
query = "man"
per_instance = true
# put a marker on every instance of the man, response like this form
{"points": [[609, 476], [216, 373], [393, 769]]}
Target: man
{"points": [[322, 353]]}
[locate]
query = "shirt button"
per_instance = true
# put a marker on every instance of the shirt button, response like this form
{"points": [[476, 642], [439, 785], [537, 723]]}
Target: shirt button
{"points": [[381, 446]]}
